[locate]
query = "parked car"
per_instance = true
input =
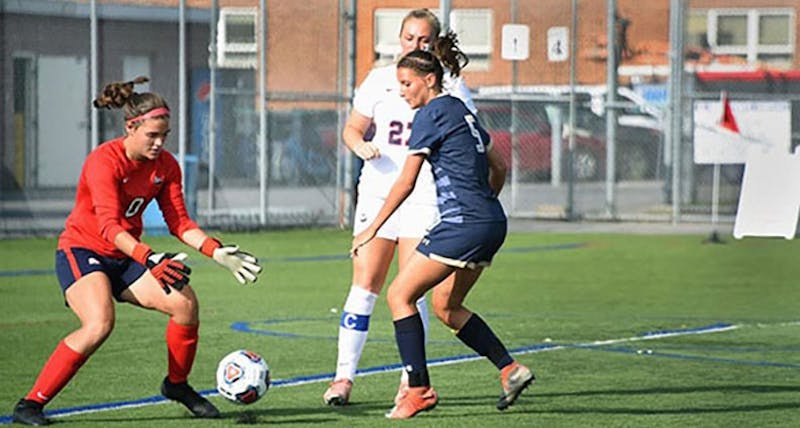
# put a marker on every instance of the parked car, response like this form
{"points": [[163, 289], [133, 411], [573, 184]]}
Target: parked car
{"points": [[639, 147]]}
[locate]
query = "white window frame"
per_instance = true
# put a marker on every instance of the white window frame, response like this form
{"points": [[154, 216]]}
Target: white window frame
{"points": [[476, 49], [752, 49], [224, 49], [389, 47]]}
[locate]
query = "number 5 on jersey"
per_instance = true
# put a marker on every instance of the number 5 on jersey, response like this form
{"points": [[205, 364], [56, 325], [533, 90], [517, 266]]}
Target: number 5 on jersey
{"points": [[480, 147]]}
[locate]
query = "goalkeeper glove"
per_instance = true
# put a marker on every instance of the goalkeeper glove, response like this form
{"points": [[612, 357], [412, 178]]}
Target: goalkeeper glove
{"points": [[168, 268], [243, 265]]}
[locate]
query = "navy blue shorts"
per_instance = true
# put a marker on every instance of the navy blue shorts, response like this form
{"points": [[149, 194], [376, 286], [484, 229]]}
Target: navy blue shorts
{"points": [[464, 245], [74, 263]]}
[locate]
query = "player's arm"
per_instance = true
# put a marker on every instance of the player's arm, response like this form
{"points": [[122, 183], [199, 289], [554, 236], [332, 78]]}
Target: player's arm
{"points": [[400, 190], [497, 170], [242, 264], [353, 136]]}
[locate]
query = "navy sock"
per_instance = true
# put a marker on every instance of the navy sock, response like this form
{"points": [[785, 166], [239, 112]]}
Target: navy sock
{"points": [[477, 335], [410, 338]]}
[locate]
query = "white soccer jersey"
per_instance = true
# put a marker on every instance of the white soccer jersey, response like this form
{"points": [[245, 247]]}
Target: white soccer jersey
{"points": [[378, 98]]}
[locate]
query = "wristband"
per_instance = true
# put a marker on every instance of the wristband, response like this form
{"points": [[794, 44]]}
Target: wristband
{"points": [[141, 252], [209, 245]]}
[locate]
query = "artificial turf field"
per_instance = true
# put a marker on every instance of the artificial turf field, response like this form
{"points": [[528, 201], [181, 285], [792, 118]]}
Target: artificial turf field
{"points": [[621, 330]]}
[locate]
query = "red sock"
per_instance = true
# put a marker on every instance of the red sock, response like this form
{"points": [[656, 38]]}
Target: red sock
{"points": [[56, 373], [181, 348]]}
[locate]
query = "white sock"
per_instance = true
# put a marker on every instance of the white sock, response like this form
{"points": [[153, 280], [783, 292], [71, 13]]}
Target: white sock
{"points": [[422, 308], [353, 328]]}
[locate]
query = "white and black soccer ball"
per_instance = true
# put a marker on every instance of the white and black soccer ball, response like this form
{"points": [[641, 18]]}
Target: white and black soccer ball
{"points": [[243, 377]]}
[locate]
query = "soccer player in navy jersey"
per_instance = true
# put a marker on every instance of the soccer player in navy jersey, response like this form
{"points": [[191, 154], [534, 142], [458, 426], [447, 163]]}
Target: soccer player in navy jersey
{"points": [[378, 105], [471, 227], [100, 256]]}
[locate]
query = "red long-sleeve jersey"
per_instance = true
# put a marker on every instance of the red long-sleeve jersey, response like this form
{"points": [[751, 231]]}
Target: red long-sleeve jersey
{"points": [[113, 191]]}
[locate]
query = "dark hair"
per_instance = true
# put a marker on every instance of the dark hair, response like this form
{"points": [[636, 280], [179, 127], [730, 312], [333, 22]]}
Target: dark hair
{"points": [[425, 15], [445, 53], [133, 104]]}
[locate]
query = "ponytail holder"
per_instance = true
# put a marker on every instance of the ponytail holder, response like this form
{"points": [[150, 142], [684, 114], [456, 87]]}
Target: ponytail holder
{"points": [[160, 111]]}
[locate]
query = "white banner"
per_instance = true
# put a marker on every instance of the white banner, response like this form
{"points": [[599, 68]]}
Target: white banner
{"points": [[763, 125]]}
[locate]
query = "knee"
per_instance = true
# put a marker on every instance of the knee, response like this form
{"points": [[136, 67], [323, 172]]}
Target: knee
{"points": [[185, 308], [397, 299], [97, 331]]}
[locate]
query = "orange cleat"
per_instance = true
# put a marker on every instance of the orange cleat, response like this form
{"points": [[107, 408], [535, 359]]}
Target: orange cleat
{"points": [[338, 393], [515, 378], [416, 399]]}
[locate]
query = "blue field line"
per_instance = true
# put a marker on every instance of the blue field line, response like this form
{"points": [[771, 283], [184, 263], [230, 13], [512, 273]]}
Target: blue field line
{"points": [[299, 259], [26, 272], [301, 380]]}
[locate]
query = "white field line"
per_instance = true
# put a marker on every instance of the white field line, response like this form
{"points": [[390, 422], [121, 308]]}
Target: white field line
{"points": [[388, 368]]}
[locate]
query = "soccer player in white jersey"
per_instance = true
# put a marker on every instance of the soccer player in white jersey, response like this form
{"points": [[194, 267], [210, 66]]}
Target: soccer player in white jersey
{"points": [[378, 102], [472, 226]]}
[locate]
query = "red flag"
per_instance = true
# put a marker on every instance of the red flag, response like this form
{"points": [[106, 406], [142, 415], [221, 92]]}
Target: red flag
{"points": [[727, 120]]}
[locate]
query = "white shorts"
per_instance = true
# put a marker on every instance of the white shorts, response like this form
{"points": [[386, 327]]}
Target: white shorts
{"points": [[411, 220]]}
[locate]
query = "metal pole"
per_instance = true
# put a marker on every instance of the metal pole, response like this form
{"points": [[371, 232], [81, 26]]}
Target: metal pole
{"points": [[514, 123], [340, 111], [715, 198], [573, 49], [349, 90], [262, 117], [95, 118], [182, 88], [611, 110], [212, 105], [445, 7], [674, 131]]}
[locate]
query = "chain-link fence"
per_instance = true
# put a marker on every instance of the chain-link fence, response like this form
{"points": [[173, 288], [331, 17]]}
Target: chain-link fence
{"points": [[260, 91]]}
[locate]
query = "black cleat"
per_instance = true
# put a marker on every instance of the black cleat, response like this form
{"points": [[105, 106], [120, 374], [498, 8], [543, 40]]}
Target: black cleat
{"points": [[184, 394], [29, 412]]}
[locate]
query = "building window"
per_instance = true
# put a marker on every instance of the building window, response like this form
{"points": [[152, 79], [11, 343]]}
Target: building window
{"points": [[765, 35], [237, 46], [473, 26], [697, 30]]}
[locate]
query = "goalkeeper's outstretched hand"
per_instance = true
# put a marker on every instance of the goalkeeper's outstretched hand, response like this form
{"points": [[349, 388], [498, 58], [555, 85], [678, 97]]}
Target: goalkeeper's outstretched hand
{"points": [[243, 265]]}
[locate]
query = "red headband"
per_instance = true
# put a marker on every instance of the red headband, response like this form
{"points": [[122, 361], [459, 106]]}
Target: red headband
{"points": [[160, 111]]}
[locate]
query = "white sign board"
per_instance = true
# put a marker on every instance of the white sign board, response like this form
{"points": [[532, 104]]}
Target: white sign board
{"points": [[764, 125], [515, 42], [770, 196], [557, 44]]}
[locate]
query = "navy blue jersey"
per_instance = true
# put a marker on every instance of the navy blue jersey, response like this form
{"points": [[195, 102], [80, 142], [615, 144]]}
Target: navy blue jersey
{"points": [[456, 145]]}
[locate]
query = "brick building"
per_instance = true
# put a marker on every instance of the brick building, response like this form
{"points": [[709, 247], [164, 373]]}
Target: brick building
{"points": [[45, 59]]}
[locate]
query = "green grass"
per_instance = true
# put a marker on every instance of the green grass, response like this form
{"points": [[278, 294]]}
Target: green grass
{"points": [[608, 287]]}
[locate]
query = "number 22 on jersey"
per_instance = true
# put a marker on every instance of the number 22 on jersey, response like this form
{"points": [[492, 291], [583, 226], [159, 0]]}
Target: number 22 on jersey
{"points": [[396, 131]]}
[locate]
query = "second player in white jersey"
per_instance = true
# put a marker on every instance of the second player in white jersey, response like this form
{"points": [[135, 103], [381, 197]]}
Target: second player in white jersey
{"points": [[378, 98]]}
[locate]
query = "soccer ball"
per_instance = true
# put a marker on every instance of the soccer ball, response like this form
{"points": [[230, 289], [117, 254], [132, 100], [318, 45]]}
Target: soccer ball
{"points": [[243, 377]]}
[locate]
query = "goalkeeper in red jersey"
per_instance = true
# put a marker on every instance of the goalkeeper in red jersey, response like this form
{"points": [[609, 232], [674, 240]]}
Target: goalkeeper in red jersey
{"points": [[100, 257]]}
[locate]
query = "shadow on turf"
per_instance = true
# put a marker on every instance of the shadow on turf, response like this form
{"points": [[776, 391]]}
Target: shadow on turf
{"points": [[310, 415], [678, 390], [528, 403]]}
